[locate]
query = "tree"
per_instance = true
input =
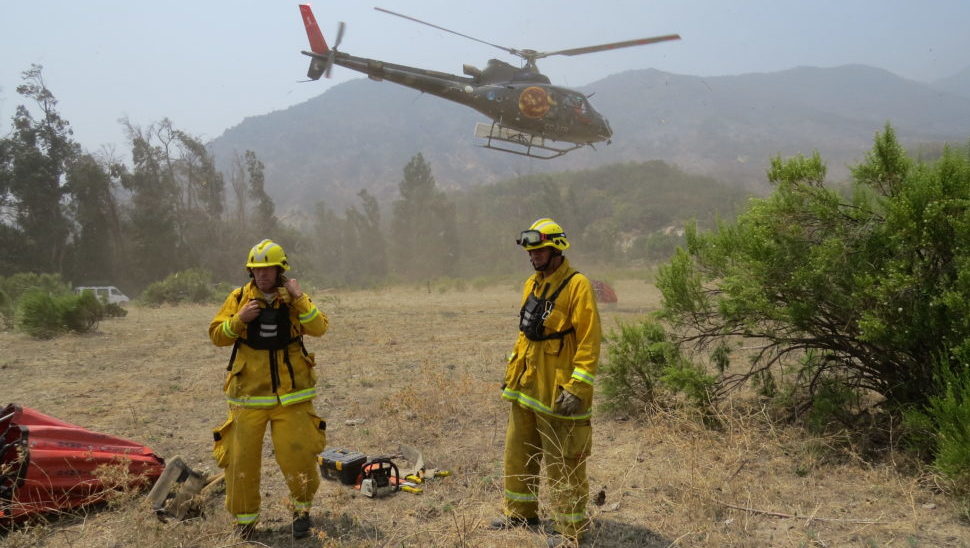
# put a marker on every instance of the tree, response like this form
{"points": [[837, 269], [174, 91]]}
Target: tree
{"points": [[153, 216], [368, 256], [204, 239], [33, 161], [866, 289], [423, 226], [97, 241], [264, 217], [238, 181]]}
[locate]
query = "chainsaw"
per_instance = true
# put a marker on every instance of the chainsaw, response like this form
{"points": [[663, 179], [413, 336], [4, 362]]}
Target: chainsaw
{"points": [[379, 477]]}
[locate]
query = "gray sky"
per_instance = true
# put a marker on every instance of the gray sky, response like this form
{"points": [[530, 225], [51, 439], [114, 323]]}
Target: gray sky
{"points": [[208, 64]]}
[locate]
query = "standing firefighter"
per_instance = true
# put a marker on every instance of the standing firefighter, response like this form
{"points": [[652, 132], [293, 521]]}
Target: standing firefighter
{"points": [[271, 380], [549, 380]]}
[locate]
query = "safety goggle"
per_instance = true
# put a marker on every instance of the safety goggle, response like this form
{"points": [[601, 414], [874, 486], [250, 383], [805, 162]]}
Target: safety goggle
{"points": [[528, 238]]}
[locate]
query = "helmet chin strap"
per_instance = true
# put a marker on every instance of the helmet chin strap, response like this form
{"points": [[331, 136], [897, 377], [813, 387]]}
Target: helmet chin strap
{"points": [[552, 259]]}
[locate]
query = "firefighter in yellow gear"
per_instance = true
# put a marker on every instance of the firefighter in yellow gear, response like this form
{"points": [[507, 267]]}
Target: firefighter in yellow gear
{"points": [[549, 380], [269, 380]]}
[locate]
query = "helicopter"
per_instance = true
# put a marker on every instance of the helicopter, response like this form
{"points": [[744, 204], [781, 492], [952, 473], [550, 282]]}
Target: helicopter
{"points": [[530, 116]]}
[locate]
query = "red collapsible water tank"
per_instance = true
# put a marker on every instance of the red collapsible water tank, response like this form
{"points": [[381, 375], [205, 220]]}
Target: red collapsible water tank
{"points": [[49, 465]]}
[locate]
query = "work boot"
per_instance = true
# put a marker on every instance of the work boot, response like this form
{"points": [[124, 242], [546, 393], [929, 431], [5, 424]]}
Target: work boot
{"points": [[245, 531], [301, 524], [511, 522]]}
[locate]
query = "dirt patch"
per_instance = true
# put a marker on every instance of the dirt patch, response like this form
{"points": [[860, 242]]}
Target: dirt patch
{"points": [[408, 365]]}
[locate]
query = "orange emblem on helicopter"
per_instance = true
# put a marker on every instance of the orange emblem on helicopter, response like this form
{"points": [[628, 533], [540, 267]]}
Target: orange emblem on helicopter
{"points": [[534, 102]]}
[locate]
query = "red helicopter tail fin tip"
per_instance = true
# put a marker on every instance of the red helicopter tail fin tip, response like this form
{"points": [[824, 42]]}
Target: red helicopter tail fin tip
{"points": [[317, 43]]}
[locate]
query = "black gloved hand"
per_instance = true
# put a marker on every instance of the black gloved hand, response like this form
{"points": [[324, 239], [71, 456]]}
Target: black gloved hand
{"points": [[567, 404]]}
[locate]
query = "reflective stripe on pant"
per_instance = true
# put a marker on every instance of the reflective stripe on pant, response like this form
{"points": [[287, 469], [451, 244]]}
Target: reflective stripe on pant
{"points": [[298, 437], [564, 444]]}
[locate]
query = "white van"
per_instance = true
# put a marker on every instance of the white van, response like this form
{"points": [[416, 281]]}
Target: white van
{"points": [[105, 293]]}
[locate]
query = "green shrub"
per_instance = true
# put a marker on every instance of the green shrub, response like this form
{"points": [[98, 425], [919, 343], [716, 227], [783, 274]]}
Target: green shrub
{"points": [[81, 313], [193, 285], [688, 379], [17, 285], [638, 356], [45, 315], [7, 309], [114, 310], [944, 427], [835, 404], [38, 315], [871, 276]]}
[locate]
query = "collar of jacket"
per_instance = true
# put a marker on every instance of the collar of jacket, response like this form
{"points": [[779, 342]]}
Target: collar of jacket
{"points": [[251, 292], [553, 279]]}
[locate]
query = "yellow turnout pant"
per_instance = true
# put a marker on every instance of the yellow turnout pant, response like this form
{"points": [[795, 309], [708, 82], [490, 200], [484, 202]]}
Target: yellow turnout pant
{"points": [[298, 437], [564, 444]]}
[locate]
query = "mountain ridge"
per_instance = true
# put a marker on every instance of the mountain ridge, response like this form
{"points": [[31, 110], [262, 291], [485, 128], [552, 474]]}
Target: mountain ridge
{"points": [[360, 134]]}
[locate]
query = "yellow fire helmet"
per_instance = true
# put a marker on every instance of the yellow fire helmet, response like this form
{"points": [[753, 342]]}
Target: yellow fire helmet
{"points": [[267, 253], [543, 233]]}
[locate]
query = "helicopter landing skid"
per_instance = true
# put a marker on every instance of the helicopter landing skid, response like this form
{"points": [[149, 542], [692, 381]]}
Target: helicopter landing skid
{"points": [[533, 146]]}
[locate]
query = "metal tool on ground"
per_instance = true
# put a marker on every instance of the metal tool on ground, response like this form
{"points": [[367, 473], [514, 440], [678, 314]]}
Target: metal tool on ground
{"points": [[380, 477], [416, 471], [410, 487], [414, 458], [175, 493]]}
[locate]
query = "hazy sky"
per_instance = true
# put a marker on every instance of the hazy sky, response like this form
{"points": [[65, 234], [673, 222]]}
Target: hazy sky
{"points": [[208, 64]]}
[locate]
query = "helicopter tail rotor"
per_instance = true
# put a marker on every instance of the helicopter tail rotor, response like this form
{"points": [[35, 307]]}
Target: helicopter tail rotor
{"points": [[333, 51], [322, 55]]}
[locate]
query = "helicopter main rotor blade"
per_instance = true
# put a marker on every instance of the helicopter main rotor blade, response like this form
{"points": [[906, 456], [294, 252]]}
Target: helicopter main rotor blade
{"points": [[613, 45], [409, 18]]}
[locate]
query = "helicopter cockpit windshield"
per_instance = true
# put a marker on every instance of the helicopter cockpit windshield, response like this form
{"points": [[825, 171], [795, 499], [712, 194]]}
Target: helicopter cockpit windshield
{"points": [[577, 102]]}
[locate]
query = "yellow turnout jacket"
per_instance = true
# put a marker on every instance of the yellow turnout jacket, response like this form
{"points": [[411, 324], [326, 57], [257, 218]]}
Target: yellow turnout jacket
{"points": [[538, 371], [253, 373]]}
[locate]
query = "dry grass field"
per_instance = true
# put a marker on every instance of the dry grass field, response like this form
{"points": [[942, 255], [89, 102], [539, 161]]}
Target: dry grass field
{"points": [[424, 368]]}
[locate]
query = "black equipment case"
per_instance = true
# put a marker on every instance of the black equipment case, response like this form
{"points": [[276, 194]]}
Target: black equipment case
{"points": [[341, 464]]}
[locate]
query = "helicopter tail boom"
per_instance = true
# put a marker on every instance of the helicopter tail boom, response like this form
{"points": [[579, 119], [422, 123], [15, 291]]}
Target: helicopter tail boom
{"points": [[317, 43]]}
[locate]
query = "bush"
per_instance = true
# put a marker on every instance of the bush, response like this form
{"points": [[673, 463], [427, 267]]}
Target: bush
{"points": [[17, 285], [642, 358], [44, 315], [12, 288], [38, 315], [7, 309], [193, 285], [944, 426], [81, 313], [871, 278], [114, 310]]}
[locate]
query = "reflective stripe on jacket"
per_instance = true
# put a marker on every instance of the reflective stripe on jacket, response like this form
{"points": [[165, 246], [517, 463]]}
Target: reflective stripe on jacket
{"points": [[537, 371], [249, 381]]}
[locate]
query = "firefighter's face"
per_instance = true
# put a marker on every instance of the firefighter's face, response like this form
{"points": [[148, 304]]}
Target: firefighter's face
{"points": [[265, 277], [541, 258]]}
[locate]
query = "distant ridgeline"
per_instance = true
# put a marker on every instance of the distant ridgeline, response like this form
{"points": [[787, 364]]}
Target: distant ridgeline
{"points": [[359, 134]]}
